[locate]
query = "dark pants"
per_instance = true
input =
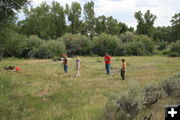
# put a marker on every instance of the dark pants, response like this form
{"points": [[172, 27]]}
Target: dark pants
{"points": [[65, 68], [123, 74], [107, 68]]}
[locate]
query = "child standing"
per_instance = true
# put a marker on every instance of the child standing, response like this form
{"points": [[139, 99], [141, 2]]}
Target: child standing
{"points": [[65, 63], [78, 63], [123, 69]]}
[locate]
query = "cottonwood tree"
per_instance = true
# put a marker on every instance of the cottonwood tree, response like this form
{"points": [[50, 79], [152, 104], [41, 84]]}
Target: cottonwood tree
{"points": [[74, 14], [89, 19], [176, 27], [145, 22]]}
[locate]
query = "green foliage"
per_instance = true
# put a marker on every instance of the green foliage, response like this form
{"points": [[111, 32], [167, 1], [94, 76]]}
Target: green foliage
{"points": [[104, 43], [134, 45], [8, 9], [174, 49], [162, 34], [50, 49], [145, 22], [45, 21], [74, 14], [176, 27], [12, 44], [162, 45], [89, 18], [76, 44]]}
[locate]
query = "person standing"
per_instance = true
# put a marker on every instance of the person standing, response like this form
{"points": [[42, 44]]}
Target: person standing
{"points": [[123, 69], [107, 60], [65, 63], [78, 63]]}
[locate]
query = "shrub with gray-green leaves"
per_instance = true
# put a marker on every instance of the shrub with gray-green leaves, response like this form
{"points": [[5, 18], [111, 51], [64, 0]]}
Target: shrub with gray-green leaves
{"points": [[171, 86], [151, 94]]}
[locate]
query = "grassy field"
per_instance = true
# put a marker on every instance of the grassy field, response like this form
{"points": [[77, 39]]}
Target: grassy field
{"points": [[39, 93]]}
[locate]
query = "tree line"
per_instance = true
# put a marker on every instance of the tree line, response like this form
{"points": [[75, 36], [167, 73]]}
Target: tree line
{"points": [[51, 30]]}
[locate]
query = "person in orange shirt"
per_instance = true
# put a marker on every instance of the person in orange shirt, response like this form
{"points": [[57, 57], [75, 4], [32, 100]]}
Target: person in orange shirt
{"points": [[107, 60], [123, 69]]}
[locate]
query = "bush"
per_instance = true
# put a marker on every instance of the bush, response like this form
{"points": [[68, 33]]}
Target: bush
{"points": [[140, 45], [175, 49], [171, 86], [33, 44], [152, 94], [104, 43], [162, 45], [50, 49], [76, 44], [11, 43], [132, 102]]}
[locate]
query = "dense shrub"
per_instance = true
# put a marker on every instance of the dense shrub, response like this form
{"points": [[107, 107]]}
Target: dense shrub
{"points": [[76, 44], [152, 94], [139, 45], [171, 86], [11, 43], [127, 37], [175, 49], [104, 43], [33, 44], [162, 45], [50, 49]]}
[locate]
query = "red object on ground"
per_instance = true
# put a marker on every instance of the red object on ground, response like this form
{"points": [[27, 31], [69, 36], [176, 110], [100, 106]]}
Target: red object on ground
{"points": [[107, 59], [18, 68]]}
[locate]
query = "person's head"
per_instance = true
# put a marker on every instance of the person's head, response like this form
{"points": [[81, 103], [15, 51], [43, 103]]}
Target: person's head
{"points": [[106, 54], [123, 60], [64, 55], [78, 58]]}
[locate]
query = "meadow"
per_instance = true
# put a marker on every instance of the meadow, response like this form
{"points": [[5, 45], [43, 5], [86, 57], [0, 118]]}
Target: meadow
{"points": [[38, 92]]}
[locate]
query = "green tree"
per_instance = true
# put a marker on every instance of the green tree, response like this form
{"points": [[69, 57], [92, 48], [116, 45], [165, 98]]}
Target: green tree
{"points": [[176, 27], [145, 22], [8, 8], [100, 25], [45, 21], [90, 19], [162, 34], [113, 27], [74, 14]]}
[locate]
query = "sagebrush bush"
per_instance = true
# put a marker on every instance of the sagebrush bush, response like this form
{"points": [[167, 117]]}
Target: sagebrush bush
{"points": [[131, 103], [171, 86], [135, 99], [151, 94]]}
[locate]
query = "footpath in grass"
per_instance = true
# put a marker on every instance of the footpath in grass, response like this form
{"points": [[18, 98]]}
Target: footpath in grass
{"points": [[39, 93]]}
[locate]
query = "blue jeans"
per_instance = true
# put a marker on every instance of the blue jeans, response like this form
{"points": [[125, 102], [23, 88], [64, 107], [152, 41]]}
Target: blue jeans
{"points": [[107, 68], [65, 68]]}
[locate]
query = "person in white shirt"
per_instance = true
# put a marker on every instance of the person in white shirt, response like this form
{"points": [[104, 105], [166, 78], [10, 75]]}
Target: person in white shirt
{"points": [[78, 63]]}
